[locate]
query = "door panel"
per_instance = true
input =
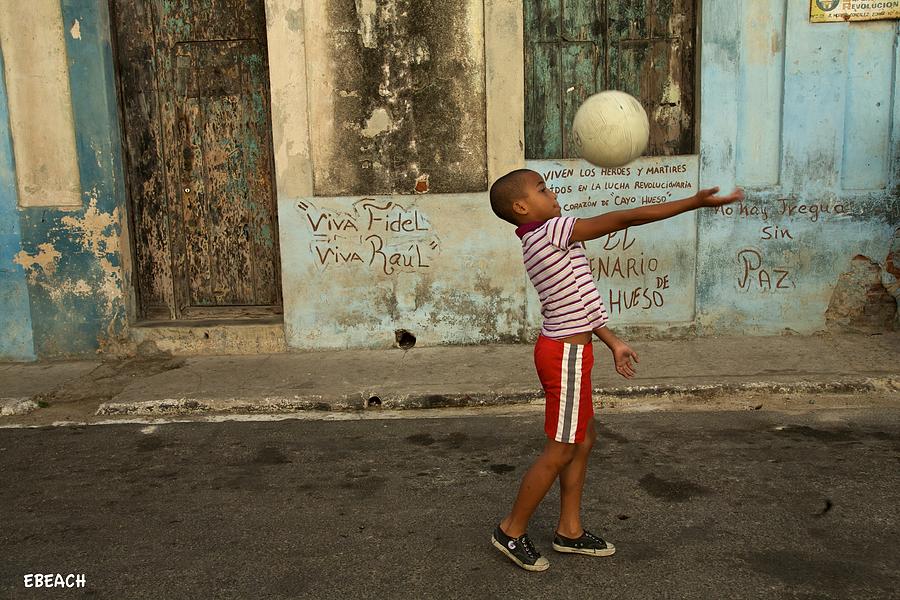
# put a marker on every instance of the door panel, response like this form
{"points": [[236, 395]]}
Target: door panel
{"points": [[211, 127], [575, 48]]}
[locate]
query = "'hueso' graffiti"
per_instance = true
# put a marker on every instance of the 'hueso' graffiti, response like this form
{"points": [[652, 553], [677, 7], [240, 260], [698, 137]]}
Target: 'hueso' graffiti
{"points": [[646, 274]]}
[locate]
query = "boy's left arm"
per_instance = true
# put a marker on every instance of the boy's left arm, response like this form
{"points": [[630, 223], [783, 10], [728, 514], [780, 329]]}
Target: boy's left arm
{"points": [[622, 353], [591, 228]]}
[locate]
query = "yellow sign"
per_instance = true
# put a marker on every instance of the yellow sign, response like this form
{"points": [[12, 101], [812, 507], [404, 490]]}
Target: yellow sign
{"points": [[834, 11]]}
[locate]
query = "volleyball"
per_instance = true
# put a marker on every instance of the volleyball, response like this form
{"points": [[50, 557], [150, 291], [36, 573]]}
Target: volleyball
{"points": [[610, 129]]}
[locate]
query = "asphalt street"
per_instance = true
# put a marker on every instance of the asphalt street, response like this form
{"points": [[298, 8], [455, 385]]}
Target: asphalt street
{"points": [[749, 504]]}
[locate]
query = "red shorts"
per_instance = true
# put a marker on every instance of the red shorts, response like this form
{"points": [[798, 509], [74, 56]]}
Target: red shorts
{"points": [[565, 373]]}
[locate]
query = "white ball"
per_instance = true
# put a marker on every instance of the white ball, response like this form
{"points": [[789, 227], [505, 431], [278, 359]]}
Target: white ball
{"points": [[611, 129]]}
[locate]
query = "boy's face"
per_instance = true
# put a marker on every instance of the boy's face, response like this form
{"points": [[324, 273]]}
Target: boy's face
{"points": [[539, 202]]}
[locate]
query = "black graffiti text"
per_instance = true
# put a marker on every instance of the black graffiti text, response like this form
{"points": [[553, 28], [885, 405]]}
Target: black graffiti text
{"points": [[389, 260], [753, 273]]}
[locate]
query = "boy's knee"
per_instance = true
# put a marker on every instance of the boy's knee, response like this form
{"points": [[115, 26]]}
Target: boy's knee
{"points": [[561, 454]]}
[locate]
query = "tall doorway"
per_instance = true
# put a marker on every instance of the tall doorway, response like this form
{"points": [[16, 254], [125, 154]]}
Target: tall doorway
{"points": [[193, 83]]}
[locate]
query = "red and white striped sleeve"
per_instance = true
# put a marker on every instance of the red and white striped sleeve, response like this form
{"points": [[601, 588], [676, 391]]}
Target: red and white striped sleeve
{"points": [[559, 231]]}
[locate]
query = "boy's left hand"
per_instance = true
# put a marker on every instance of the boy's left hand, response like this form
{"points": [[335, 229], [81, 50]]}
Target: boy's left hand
{"points": [[622, 356], [708, 197]]}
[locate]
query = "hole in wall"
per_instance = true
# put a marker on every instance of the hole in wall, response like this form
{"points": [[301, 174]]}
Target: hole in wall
{"points": [[405, 339], [373, 401]]}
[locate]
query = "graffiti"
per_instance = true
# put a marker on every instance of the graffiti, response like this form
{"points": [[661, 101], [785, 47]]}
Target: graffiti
{"points": [[774, 232], [784, 208], [623, 267], [656, 190], [755, 275], [649, 275], [612, 242], [639, 297], [383, 236], [782, 220], [811, 211], [620, 268]]}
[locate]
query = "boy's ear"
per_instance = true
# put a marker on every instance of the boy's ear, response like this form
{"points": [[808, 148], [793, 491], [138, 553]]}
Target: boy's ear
{"points": [[520, 207]]}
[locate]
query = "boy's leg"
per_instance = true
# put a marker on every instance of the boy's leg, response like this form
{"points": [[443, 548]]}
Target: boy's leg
{"points": [[535, 484], [571, 486]]}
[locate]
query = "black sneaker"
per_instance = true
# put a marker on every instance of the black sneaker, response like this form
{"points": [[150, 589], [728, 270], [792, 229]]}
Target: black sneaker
{"points": [[588, 543], [520, 550]]}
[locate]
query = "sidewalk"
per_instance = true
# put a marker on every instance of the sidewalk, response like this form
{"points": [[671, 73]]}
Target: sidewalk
{"points": [[698, 369]]}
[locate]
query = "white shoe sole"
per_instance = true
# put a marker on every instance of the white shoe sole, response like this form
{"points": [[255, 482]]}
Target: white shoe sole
{"points": [[538, 567], [608, 551]]}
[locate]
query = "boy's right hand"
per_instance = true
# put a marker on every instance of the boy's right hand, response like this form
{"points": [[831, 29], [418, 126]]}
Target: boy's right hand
{"points": [[708, 197]]}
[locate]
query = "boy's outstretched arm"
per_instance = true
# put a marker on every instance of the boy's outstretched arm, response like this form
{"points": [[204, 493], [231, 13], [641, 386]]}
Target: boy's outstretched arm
{"points": [[622, 353], [595, 227]]}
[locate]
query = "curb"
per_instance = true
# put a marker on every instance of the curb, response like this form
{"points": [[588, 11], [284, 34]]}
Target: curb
{"points": [[840, 386], [366, 401], [10, 407]]}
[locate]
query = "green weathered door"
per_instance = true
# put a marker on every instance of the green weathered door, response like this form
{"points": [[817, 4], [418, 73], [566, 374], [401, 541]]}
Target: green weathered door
{"points": [[575, 48], [194, 91]]}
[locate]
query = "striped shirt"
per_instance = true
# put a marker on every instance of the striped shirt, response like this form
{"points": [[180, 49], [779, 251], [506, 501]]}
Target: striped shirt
{"points": [[559, 270]]}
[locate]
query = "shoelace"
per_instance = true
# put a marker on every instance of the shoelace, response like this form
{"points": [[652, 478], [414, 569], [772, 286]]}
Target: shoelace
{"points": [[594, 538], [529, 547]]}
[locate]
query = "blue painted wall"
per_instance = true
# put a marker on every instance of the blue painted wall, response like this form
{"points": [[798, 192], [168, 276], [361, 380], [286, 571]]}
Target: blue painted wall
{"points": [[805, 117], [16, 342], [78, 306]]}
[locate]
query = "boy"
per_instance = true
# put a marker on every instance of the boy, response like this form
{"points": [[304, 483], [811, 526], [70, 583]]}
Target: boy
{"points": [[573, 312]]}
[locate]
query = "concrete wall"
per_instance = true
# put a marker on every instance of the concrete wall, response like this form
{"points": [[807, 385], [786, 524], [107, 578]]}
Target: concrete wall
{"points": [[397, 95], [69, 257], [356, 269], [806, 117], [803, 116], [15, 313]]}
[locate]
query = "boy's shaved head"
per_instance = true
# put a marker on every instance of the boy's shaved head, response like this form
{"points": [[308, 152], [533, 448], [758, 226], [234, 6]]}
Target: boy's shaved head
{"points": [[507, 190]]}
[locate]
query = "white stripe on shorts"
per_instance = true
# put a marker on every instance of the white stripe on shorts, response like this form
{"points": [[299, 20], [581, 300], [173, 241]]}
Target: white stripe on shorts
{"points": [[569, 393]]}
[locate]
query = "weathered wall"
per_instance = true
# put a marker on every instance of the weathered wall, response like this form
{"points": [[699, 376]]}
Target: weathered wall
{"points": [[397, 96], [72, 257], [15, 313], [358, 268], [806, 118], [803, 116]]}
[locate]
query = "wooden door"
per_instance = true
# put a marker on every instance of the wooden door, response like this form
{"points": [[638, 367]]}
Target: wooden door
{"points": [[194, 97], [575, 48]]}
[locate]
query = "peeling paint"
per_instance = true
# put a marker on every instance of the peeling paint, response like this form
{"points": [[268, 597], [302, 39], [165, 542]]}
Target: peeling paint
{"points": [[98, 230], [294, 18], [98, 233], [366, 9], [420, 52], [70, 288], [75, 31], [422, 184], [46, 259], [379, 122], [860, 301]]}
